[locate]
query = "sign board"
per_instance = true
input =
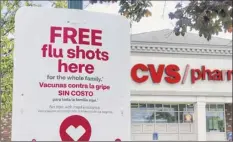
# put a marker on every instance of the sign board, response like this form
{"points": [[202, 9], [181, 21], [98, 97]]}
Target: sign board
{"points": [[155, 136], [186, 75], [173, 75], [188, 118], [71, 76], [229, 136]]}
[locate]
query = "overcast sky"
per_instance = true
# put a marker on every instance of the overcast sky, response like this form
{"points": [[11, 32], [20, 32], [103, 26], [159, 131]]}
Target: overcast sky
{"points": [[158, 21]]}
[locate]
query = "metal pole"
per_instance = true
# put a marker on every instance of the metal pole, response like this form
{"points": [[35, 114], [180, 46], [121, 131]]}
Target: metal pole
{"points": [[75, 4]]}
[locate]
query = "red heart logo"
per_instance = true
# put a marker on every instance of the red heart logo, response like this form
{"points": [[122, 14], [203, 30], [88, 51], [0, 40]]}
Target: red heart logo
{"points": [[70, 129]]}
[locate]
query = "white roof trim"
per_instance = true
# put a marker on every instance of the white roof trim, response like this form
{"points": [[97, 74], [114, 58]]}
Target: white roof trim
{"points": [[174, 49]]}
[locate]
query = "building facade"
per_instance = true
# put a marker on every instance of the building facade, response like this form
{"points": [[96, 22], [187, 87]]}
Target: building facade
{"points": [[181, 87]]}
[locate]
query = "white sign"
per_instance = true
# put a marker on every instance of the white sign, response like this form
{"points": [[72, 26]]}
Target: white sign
{"points": [[71, 76]]}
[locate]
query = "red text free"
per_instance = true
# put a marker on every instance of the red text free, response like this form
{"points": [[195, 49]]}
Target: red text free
{"points": [[81, 36]]}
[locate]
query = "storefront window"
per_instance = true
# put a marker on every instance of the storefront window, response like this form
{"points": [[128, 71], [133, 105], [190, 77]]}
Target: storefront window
{"points": [[142, 105], [190, 107], [134, 105], [166, 117], [142, 116], [150, 105], [212, 107], [182, 107], [166, 107], [215, 118], [162, 113], [158, 107], [220, 107], [174, 107], [207, 107]]}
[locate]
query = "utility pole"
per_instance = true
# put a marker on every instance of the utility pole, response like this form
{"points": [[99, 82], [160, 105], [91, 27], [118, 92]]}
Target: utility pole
{"points": [[75, 4]]}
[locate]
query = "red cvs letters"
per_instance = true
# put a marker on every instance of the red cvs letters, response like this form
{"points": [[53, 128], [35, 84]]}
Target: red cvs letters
{"points": [[140, 73], [172, 74]]}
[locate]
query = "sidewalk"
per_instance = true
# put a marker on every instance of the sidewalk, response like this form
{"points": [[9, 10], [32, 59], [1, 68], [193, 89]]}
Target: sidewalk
{"points": [[5, 128]]}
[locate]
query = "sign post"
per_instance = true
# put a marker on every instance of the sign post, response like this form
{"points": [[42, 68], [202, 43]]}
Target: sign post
{"points": [[75, 4], [71, 80]]}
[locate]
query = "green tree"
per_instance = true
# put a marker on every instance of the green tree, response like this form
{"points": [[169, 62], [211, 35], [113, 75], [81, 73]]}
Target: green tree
{"points": [[207, 17], [60, 4], [132, 9], [8, 10]]}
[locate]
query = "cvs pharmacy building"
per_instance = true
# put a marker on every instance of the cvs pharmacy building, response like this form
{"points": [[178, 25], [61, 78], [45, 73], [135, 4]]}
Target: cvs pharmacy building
{"points": [[181, 87]]}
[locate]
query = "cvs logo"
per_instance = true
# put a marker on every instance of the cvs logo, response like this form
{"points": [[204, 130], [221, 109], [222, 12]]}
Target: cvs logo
{"points": [[171, 71]]}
